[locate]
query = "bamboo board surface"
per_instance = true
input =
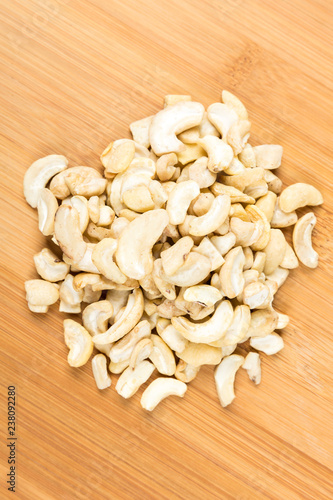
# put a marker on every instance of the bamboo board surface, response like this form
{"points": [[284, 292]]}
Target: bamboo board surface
{"points": [[74, 75]]}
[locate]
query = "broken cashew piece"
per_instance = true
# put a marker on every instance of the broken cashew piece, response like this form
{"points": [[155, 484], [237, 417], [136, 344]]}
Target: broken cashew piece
{"points": [[206, 295], [270, 344], [79, 342], [49, 266], [100, 371], [180, 199], [231, 274], [253, 367], [39, 174], [225, 377], [160, 389], [302, 240], [220, 154], [40, 295], [103, 258], [68, 234], [47, 206], [131, 380]]}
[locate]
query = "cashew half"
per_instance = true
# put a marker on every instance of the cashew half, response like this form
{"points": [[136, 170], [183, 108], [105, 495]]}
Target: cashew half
{"points": [[47, 206], [299, 195], [160, 389], [39, 174], [70, 298], [123, 349], [173, 338], [170, 122], [204, 294], [274, 250], [194, 270], [225, 377], [103, 258], [49, 266], [180, 199], [200, 173], [270, 344], [162, 356], [238, 328], [40, 295], [68, 234], [215, 217], [289, 260], [79, 342], [210, 330], [252, 366], [134, 252], [95, 317], [268, 156], [173, 258], [282, 219], [186, 372], [302, 240], [130, 380], [220, 154], [223, 117], [231, 274], [100, 371], [140, 131]]}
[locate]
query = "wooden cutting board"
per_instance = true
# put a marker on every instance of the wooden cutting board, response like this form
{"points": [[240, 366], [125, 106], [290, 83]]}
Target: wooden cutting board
{"points": [[74, 75]]}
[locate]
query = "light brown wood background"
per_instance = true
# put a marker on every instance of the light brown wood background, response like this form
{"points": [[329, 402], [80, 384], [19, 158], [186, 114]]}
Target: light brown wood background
{"points": [[74, 74]]}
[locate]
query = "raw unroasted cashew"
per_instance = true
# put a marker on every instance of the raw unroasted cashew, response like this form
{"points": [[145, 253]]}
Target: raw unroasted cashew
{"points": [[160, 389], [299, 195], [39, 174], [135, 243], [225, 377], [302, 240], [176, 249], [170, 122]]}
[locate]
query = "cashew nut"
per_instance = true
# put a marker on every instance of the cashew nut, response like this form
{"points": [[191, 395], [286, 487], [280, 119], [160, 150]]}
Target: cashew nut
{"points": [[173, 338], [39, 174], [47, 206], [268, 156], [103, 258], [252, 366], [299, 195], [79, 343], [180, 199], [215, 217], [195, 269], [204, 294], [225, 377], [282, 219], [274, 250], [220, 154], [200, 173], [100, 371], [162, 356], [49, 266], [186, 372], [302, 240], [68, 234], [123, 349], [130, 380], [231, 274], [224, 243], [236, 196], [70, 298], [207, 249], [289, 260], [270, 344], [223, 117], [140, 131], [173, 258], [40, 295], [160, 389]]}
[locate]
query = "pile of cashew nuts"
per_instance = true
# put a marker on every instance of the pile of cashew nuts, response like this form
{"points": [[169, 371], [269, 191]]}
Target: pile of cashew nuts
{"points": [[174, 255]]}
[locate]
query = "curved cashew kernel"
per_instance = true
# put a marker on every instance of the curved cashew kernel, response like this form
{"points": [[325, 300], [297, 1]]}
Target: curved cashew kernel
{"points": [[85, 264], [270, 344], [123, 349], [160, 389], [206, 295], [302, 240], [274, 250], [225, 377], [100, 371], [224, 243], [170, 122], [283, 321], [209, 331], [141, 351], [117, 368], [258, 217], [273, 182], [140, 131], [134, 252], [200, 173], [180, 199], [39, 174], [200, 354], [248, 254], [215, 217], [238, 328], [245, 179], [259, 262], [173, 258], [81, 280], [279, 276], [231, 274], [206, 127], [47, 206], [263, 322], [130, 380], [257, 295], [201, 204], [167, 289], [248, 157], [94, 208], [220, 154], [68, 234], [84, 181], [161, 325], [58, 184], [190, 154], [236, 196], [252, 366], [41, 294], [236, 167], [186, 372], [267, 204], [96, 316], [238, 135], [289, 260], [257, 189], [299, 195], [173, 338], [128, 320], [268, 156], [103, 258], [207, 249], [70, 298], [195, 269], [138, 199], [233, 102], [49, 267], [79, 343], [162, 357], [222, 117], [282, 219], [81, 205], [118, 156]]}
